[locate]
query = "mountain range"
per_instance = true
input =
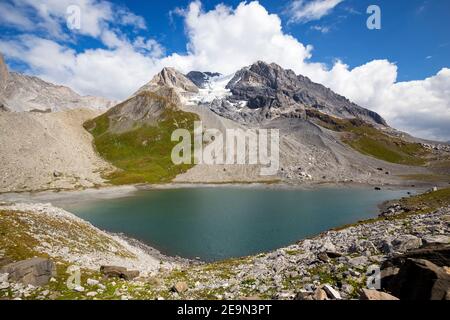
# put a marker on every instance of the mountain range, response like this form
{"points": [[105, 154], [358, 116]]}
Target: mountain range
{"points": [[20, 92], [324, 137]]}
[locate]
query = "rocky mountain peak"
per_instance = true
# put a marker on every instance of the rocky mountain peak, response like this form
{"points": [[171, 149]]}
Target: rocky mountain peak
{"points": [[275, 91], [171, 78]]}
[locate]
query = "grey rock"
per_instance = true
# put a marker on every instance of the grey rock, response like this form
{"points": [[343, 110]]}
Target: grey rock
{"points": [[331, 292], [320, 294], [35, 271], [436, 239], [358, 261], [406, 242], [367, 294], [4, 277]]}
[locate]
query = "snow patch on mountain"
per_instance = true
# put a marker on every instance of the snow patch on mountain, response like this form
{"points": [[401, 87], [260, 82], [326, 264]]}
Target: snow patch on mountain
{"points": [[214, 88]]}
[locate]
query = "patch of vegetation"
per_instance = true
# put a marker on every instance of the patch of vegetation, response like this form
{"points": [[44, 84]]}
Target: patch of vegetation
{"points": [[427, 177], [293, 252], [143, 154], [15, 244], [370, 141], [427, 202]]}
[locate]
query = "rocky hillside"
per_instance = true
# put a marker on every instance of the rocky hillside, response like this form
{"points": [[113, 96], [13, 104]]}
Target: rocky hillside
{"points": [[48, 151], [409, 251], [135, 136], [20, 92]]}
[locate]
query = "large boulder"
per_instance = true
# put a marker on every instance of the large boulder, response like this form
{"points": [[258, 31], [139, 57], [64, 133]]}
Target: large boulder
{"points": [[180, 287], [35, 271], [367, 294], [419, 279], [119, 272], [439, 254], [406, 242]]}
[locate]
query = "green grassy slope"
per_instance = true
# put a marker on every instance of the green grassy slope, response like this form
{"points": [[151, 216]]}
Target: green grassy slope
{"points": [[370, 141], [143, 154]]}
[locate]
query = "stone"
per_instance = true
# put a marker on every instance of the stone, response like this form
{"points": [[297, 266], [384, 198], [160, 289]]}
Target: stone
{"points": [[4, 285], [180, 287], [320, 294], [323, 257], [57, 174], [328, 246], [4, 277], [436, 239], [92, 282], [367, 294], [386, 246], [303, 295], [439, 254], [419, 279], [251, 298], [119, 272], [406, 242], [91, 294], [79, 289], [331, 292], [35, 271], [358, 261]]}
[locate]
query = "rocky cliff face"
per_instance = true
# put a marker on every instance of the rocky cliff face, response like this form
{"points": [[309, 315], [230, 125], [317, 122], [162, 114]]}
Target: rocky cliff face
{"points": [[272, 92], [200, 79]]}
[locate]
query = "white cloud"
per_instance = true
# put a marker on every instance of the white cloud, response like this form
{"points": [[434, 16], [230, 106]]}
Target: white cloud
{"points": [[13, 17], [224, 40], [303, 11], [50, 17]]}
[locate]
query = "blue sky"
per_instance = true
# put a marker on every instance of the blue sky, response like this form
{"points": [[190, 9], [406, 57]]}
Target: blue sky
{"points": [[401, 71], [415, 33]]}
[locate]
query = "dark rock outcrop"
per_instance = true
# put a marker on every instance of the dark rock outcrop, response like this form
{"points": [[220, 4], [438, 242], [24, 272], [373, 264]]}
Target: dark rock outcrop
{"points": [[274, 91], [418, 274], [35, 271], [200, 79]]}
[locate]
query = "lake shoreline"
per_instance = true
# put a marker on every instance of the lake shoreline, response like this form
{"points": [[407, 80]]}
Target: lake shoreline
{"points": [[111, 192]]}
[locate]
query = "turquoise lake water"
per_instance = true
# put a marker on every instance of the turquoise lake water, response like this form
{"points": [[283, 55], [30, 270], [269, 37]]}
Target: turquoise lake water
{"points": [[223, 222]]}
